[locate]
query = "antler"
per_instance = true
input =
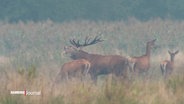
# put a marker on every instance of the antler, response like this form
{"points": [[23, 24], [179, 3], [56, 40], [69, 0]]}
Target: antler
{"points": [[87, 42]]}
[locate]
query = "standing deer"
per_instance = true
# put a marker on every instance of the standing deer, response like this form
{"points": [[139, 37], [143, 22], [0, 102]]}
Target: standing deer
{"points": [[75, 68], [141, 64], [167, 66], [100, 64]]}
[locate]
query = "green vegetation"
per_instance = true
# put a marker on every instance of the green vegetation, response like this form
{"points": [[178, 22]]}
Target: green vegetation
{"points": [[106, 10], [30, 58], [30, 72]]}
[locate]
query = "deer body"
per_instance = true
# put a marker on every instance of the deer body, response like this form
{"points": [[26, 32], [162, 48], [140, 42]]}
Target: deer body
{"points": [[167, 66], [142, 63], [75, 68], [102, 64]]}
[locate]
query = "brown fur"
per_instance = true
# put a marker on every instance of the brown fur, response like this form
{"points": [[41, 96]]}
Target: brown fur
{"points": [[76, 68], [167, 66], [100, 64], [142, 63]]}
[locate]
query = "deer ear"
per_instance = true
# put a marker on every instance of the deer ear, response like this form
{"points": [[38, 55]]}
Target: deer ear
{"points": [[177, 52]]}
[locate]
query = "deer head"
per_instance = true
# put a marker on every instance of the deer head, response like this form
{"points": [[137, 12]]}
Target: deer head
{"points": [[76, 49], [151, 43], [172, 54]]}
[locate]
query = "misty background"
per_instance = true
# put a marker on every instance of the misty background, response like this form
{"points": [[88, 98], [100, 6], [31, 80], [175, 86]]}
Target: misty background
{"points": [[33, 34], [95, 10]]}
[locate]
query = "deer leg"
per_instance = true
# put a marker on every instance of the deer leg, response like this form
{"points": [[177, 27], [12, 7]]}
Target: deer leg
{"points": [[66, 76], [168, 73], [136, 73], [131, 67], [162, 70], [146, 75], [135, 70], [94, 78], [81, 76], [87, 70], [58, 77]]}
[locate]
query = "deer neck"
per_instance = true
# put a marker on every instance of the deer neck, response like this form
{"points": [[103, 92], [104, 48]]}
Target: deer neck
{"points": [[82, 54], [79, 55], [172, 60], [148, 50]]}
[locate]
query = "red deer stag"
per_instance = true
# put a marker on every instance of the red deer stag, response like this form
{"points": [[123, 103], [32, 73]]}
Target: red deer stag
{"points": [[100, 64], [76, 68], [167, 66], [141, 64]]}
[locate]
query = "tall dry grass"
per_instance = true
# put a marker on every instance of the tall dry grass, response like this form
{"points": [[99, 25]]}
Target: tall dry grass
{"points": [[109, 91], [30, 58]]}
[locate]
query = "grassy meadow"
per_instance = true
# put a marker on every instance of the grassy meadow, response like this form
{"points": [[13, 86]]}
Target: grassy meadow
{"points": [[31, 56]]}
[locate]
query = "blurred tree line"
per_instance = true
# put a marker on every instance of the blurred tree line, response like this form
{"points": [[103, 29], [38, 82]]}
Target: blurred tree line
{"points": [[108, 10]]}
